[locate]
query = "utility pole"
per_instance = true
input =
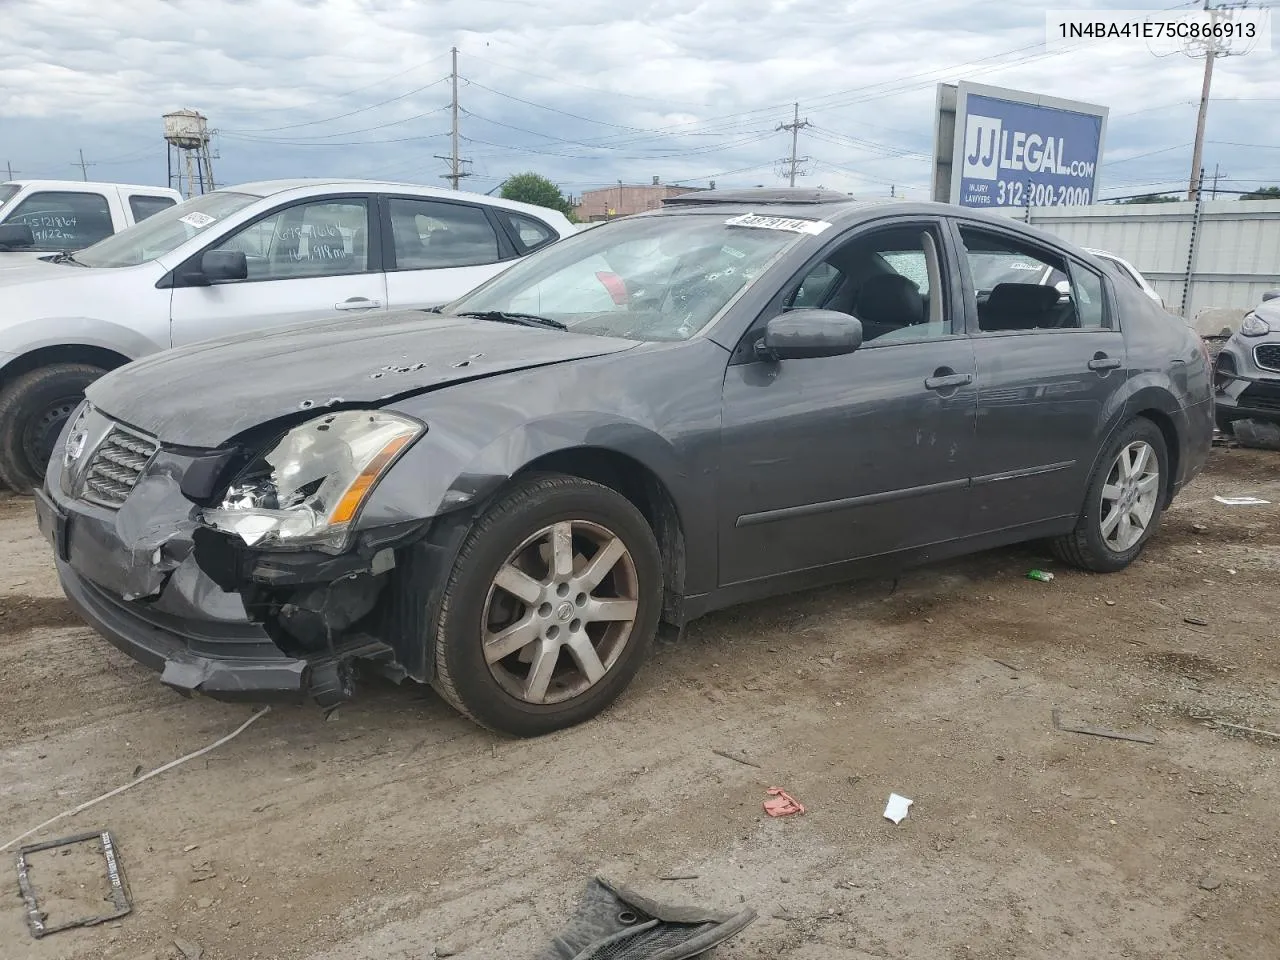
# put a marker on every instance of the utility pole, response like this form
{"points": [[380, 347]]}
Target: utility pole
{"points": [[1211, 48], [456, 163], [453, 167], [84, 172], [1216, 174], [9, 165], [795, 126]]}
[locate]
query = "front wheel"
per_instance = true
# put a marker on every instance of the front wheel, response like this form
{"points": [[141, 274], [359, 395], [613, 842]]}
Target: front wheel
{"points": [[551, 607], [33, 410], [1123, 503]]}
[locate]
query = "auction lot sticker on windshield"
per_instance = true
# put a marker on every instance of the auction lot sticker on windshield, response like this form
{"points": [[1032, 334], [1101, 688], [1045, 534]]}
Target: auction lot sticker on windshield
{"points": [[198, 220], [792, 224]]}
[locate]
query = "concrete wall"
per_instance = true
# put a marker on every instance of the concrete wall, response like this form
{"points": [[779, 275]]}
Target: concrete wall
{"points": [[1237, 250]]}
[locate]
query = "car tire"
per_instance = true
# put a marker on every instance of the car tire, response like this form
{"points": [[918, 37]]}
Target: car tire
{"points": [[33, 410], [1096, 543], [521, 533]]}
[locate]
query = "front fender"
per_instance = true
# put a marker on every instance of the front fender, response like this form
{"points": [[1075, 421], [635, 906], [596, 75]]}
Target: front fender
{"points": [[453, 467]]}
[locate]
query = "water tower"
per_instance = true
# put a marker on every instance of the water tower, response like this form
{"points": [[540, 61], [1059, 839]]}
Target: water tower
{"points": [[187, 134]]}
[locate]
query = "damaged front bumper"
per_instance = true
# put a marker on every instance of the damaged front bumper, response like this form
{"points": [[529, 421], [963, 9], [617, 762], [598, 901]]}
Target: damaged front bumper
{"points": [[216, 618]]}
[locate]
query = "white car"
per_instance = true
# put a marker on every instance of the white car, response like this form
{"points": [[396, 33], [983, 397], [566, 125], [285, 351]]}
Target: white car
{"points": [[234, 261], [1129, 270]]}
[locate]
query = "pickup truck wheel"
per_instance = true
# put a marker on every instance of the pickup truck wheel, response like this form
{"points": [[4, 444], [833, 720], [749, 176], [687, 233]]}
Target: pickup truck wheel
{"points": [[33, 410]]}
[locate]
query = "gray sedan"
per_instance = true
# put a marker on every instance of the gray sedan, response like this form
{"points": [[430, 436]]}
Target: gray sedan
{"points": [[1247, 371], [741, 394]]}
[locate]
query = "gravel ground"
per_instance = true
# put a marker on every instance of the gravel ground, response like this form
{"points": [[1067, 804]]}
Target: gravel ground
{"points": [[394, 829]]}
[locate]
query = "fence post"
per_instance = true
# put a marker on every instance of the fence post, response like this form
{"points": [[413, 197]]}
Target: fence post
{"points": [[1191, 246]]}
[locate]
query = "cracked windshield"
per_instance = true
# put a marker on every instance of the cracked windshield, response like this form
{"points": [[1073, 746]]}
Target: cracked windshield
{"points": [[644, 279]]}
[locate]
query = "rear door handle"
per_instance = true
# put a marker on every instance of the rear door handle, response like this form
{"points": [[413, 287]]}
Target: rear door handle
{"points": [[948, 381], [1104, 363], [357, 303]]}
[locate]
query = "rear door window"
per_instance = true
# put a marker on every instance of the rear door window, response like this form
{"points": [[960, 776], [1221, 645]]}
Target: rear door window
{"points": [[64, 220], [143, 206], [430, 234]]}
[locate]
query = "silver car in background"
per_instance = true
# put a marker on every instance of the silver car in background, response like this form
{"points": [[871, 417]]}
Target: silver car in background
{"points": [[1247, 372]]}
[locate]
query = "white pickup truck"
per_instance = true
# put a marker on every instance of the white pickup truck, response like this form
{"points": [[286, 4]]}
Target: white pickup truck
{"points": [[40, 217]]}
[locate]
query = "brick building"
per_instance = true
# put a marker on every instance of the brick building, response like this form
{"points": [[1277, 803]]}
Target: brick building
{"points": [[607, 203]]}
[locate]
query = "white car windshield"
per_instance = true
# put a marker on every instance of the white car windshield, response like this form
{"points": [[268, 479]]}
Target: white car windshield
{"points": [[165, 231], [646, 278]]}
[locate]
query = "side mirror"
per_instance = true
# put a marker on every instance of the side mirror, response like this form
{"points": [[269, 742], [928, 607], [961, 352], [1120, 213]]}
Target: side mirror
{"points": [[800, 334], [224, 265], [15, 235]]}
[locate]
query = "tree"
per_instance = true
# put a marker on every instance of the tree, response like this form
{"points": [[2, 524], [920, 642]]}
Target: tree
{"points": [[536, 189], [1263, 193], [1152, 198]]}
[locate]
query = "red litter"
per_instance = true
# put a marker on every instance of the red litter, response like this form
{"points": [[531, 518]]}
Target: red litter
{"points": [[783, 804]]}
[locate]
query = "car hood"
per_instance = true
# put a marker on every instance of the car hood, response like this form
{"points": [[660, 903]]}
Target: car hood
{"points": [[10, 259], [206, 394]]}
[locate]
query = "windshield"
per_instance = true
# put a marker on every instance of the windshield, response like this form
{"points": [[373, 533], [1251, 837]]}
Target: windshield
{"points": [[647, 278], [7, 192], [165, 231]]}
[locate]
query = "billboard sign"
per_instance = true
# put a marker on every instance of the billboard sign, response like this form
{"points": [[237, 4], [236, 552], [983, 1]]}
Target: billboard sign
{"points": [[998, 148]]}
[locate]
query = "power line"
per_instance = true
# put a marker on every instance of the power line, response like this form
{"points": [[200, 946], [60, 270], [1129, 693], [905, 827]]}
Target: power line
{"points": [[340, 116], [329, 136], [582, 86]]}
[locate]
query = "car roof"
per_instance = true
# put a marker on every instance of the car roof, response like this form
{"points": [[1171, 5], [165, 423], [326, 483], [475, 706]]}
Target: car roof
{"points": [[303, 186], [831, 206], [82, 186]]}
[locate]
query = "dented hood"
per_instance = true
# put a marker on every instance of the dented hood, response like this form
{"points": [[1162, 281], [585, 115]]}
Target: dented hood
{"points": [[207, 393]]}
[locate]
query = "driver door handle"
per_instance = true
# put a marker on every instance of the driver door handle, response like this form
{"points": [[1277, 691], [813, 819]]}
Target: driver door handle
{"points": [[947, 381], [1104, 363], [357, 303]]}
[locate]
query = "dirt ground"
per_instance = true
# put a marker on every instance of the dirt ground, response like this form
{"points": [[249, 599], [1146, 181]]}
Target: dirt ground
{"points": [[396, 830]]}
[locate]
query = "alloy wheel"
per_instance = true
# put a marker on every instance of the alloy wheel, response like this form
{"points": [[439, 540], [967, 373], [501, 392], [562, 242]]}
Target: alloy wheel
{"points": [[1130, 496], [560, 611]]}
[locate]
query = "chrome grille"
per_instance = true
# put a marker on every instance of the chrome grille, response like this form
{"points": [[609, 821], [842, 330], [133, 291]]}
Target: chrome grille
{"points": [[116, 465], [1267, 356]]}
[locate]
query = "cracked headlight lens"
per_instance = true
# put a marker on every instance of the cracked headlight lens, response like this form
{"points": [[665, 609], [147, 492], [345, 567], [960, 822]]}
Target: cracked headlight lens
{"points": [[307, 490], [1255, 326]]}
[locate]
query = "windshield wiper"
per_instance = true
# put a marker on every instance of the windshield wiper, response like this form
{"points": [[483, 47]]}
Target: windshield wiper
{"points": [[66, 256], [523, 319]]}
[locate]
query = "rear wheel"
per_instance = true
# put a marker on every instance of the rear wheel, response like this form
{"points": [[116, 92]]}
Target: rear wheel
{"points": [[33, 410], [550, 609], [1123, 504]]}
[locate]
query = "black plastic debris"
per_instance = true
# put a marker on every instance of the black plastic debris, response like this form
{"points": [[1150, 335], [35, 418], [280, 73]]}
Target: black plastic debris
{"points": [[1259, 434], [614, 923], [119, 897]]}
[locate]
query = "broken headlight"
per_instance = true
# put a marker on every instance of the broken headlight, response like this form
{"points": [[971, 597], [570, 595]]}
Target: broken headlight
{"points": [[307, 490]]}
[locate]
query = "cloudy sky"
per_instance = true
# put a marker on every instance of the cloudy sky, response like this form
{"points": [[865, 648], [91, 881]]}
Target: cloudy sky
{"points": [[590, 91]]}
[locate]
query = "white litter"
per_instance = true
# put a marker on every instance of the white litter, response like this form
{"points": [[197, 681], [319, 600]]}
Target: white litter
{"points": [[896, 809], [1241, 501], [137, 780]]}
